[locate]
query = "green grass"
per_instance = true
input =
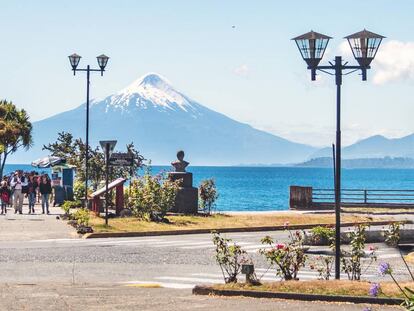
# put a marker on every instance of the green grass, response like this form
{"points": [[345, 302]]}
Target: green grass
{"points": [[319, 287], [217, 221]]}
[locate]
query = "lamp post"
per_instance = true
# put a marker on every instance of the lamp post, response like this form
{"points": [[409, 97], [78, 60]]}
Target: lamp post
{"points": [[364, 46], [74, 62], [107, 146]]}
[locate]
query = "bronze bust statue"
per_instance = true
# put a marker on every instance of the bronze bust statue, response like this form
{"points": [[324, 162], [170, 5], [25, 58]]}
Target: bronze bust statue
{"points": [[180, 164]]}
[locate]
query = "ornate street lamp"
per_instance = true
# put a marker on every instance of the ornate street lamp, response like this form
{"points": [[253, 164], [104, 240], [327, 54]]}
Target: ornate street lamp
{"points": [[102, 61], [107, 146], [74, 60], [312, 46], [364, 46]]}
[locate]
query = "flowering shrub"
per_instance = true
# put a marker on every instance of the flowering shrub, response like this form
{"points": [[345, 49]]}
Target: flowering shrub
{"points": [[229, 257], [152, 196], [392, 234], [385, 269], [351, 260], [288, 258], [208, 195], [375, 290], [323, 266]]}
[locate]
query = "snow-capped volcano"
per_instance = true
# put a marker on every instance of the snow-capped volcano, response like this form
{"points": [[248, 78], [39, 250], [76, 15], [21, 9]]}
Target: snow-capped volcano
{"points": [[151, 90], [161, 120]]}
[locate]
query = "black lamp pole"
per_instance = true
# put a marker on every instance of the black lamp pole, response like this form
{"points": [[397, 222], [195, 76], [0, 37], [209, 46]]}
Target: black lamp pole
{"points": [[106, 182], [364, 45], [107, 146], [102, 62]]}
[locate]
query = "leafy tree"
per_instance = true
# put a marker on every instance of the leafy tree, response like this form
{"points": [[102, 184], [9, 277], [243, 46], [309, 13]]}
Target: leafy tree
{"points": [[15, 131], [208, 195], [73, 150]]}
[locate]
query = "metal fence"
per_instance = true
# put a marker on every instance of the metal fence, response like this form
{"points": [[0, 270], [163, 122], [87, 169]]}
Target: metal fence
{"points": [[364, 196]]}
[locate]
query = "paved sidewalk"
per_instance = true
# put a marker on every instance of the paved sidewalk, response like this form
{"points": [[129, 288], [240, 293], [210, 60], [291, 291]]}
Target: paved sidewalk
{"points": [[38, 226], [109, 297]]}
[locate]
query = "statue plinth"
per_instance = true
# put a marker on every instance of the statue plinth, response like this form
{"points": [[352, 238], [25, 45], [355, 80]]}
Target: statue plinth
{"points": [[186, 201], [186, 178]]}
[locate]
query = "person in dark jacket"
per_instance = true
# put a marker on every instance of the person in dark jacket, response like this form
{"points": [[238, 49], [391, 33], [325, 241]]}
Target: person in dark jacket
{"points": [[4, 195], [31, 193], [45, 188]]}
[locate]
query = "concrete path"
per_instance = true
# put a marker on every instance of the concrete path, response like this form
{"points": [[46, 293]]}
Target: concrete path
{"points": [[103, 297], [38, 226]]}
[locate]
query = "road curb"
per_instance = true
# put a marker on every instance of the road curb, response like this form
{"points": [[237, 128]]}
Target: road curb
{"points": [[226, 230], [206, 290]]}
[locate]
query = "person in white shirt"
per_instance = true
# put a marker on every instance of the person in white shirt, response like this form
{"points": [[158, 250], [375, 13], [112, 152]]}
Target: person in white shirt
{"points": [[17, 183]]}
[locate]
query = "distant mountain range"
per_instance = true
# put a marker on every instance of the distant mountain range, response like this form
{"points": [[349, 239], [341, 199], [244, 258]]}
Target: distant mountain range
{"points": [[374, 147], [161, 120], [386, 162]]}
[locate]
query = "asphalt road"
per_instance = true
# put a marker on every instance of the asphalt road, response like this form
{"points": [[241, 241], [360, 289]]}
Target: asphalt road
{"points": [[107, 274]]}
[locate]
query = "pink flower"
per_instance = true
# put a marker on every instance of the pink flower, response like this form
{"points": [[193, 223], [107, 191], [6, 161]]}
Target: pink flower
{"points": [[371, 248], [280, 246], [286, 223]]}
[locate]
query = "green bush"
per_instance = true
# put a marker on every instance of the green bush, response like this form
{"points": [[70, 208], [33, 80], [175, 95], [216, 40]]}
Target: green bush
{"points": [[321, 234], [67, 205], [82, 217], [152, 196], [208, 195], [288, 258]]}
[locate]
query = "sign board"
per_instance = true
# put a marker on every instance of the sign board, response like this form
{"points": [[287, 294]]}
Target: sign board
{"points": [[121, 159]]}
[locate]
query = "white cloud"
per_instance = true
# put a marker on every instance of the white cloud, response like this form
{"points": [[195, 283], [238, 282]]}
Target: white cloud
{"points": [[345, 50], [394, 61], [242, 70]]}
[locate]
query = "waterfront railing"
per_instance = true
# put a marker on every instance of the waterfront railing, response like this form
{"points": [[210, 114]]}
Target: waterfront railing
{"points": [[308, 197]]}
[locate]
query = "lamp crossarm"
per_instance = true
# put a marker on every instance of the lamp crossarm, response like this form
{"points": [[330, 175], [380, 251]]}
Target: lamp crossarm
{"points": [[343, 67], [332, 69], [85, 69]]}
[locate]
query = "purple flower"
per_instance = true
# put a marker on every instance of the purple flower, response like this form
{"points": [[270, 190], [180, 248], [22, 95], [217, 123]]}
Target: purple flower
{"points": [[384, 268], [374, 290]]}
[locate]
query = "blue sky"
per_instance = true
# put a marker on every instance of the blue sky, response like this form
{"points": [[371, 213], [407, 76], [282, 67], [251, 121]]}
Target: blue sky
{"points": [[252, 73]]}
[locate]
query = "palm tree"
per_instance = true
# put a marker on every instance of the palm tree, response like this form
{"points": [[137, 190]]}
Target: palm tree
{"points": [[15, 131]]}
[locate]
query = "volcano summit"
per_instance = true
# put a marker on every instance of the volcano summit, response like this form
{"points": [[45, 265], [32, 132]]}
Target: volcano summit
{"points": [[161, 120]]}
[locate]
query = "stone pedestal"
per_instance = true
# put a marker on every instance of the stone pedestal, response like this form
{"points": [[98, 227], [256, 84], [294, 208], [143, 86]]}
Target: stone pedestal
{"points": [[186, 201]]}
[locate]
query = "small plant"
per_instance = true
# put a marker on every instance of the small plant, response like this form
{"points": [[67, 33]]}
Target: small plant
{"points": [[208, 195], [393, 234], [82, 217], [323, 266], [351, 261], [229, 257], [287, 258], [66, 208], [67, 205], [322, 235], [385, 269]]}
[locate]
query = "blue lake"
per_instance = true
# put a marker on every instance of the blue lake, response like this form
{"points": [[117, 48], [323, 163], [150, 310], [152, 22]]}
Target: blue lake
{"points": [[267, 188]]}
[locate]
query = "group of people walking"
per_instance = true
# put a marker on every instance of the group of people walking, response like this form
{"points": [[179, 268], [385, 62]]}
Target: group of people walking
{"points": [[15, 187]]}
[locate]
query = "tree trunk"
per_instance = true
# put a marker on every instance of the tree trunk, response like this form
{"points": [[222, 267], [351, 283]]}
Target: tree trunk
{"points": [[3, 163]]}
